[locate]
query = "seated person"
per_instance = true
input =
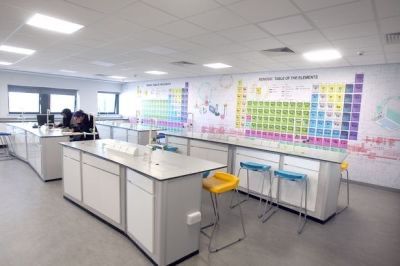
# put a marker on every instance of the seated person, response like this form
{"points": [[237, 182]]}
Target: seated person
{"points": [[67, 117], [83, 122]]}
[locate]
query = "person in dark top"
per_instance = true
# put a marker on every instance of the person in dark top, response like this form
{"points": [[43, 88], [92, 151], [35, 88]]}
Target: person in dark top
{"points": [[67, 117], [83, 122]]}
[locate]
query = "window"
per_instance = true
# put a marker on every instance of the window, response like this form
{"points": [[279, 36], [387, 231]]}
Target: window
{"points": [[58, 102], [35, 100], [19, 102], [107, 103]]}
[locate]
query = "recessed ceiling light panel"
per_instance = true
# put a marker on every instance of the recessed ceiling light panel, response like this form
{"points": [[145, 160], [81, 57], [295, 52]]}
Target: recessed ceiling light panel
{"points": [[217, 65], [117, 77], [16, 50], [322, 55], [53, 24], [155, 72], [67, 71], [4, 63]]}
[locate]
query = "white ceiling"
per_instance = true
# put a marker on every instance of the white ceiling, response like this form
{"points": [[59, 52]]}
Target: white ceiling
{"points": [[129, 37]]}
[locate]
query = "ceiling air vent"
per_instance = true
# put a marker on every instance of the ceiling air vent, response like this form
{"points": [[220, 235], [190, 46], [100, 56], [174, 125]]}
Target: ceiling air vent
{"points": [[278, 51], [183, 63], [392, 38], [100, 75]]}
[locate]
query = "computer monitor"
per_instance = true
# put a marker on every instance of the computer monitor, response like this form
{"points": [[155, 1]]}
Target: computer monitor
{"points": [[42, 119]]}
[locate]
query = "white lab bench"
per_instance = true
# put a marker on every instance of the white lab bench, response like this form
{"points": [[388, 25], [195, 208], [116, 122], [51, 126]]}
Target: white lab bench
{"points": [[39, 148], [321, 166], [148, 195], [125, 131]]}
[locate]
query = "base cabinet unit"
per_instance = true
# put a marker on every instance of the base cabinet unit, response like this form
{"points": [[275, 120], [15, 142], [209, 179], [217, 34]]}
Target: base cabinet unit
{"points": [[34, 150], [19, 142], [72, 174], [104, 131], [120, 134], [214, 152], [101, 187], [140, 209], [180, 143]]}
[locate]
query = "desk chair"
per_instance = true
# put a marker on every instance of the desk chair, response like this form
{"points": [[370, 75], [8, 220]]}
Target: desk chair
{"points": [[344, 167], [218, 184], [294, 177], [5, 141]]}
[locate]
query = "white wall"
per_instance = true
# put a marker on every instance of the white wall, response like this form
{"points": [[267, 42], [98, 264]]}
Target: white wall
{"points": [[87, 89], [374, 157]]}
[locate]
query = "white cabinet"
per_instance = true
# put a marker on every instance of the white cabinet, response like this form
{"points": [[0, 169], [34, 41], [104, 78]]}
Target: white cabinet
{"points": [[19, 143], [180, 143], [104, 131], [133, 136], [72, 176], [120, 133], [140, 209], [214, 152], [34, 152], [101, 187]]}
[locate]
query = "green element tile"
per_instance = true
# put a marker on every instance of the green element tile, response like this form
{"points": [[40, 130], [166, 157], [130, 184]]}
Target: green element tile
{"points": [[279, 105], [284, 120], [277, 128], [285, 113], [272, 104], [299, 105], [299, 114], [304, 130], [272, 112], [284, 128], [278, 112], [266, 111], [270, 127], [292, 113], [285, 105]]}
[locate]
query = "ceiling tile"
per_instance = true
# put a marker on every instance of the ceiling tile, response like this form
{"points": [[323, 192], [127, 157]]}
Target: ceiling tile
{"points": [[145, 15], [232, 48], [153, 36], [392, 48], [182, 45], [227, 2], [366, 60], [359, 43], [390, 25], [307, 5], [182, 29], [302, 48], [261, 10], [371, 50], [34, 38], [351, 31], [210, 40], [10, 57], [159, 50], [185, 8], [102, 6], [244, 33], [342, 15], [302, 37], [286, 25], [262, 44], [387, 8], [393, 58], [217, 19]]}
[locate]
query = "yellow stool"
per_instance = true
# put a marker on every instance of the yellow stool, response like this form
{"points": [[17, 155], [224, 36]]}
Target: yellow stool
{"points": [[344, 168], [218, 184]]}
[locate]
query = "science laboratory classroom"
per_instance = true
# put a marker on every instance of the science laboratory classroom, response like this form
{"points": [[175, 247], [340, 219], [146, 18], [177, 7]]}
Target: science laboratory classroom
{"points": [[199, 132]]}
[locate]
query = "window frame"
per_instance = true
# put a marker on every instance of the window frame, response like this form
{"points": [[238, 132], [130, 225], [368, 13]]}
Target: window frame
{"points": [[44, 93], [116, 103]]}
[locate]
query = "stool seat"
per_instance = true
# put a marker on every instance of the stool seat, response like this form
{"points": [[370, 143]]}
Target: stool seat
{"points": [[344, 166], [255, 166], [171, 148], [220, 182], [289, 175], [5, 134]]}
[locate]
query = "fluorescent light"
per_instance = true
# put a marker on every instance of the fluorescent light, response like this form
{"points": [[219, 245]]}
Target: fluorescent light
{"points": [[156, 72], [17, 50], [4, 63], [53, 24], [67, 71], [217, 65], [102, 63], [322, 55], [117, 77]]}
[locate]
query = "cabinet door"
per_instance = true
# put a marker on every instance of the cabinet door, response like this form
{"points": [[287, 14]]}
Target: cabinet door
{"points": [[140, 215], [101, 191], [104, 131], [72, 178], [133, 136], [120, 134]]}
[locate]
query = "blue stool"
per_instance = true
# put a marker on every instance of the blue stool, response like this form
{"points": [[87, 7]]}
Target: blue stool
{"points": [[256, 167], [295, 177], [6, 142]]}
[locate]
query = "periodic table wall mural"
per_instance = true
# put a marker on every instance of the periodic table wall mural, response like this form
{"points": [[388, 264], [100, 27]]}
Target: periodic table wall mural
{"points": [[354, 109]]}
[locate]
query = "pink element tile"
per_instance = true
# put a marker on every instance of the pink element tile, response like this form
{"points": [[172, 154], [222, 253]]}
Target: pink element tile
{"points": [[335, 143], [327, 142], [318, 141], [343, 144]]}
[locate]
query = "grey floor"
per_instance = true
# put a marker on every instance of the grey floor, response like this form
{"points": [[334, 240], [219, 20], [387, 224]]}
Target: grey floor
{"points": [[39, 227]]}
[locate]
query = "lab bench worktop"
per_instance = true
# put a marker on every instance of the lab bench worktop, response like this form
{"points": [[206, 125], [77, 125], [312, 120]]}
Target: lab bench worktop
{"points": [[43, 131], [127, 125], [327, 154], [157, 164]]}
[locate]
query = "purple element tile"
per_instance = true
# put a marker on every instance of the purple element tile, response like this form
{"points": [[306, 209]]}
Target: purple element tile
{"points": [[335, 143], [359, 78], [247, 133], [277, 136], [357, 98], [264, 134], [318, 141], [354, 126], [349, 88], [355, 117], [356, 107], [358, 88], [283, 136], [353, 135], [311, 140], [289, 137], [271, 135], [327, 142], [344, 135], [259, 134], [343, 144]]}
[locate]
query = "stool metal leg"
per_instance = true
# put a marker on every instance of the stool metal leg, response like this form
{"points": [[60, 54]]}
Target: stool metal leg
{"points": [[272, 209], [348, 192], [261, 214], [248, 191], [302, 224]]}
